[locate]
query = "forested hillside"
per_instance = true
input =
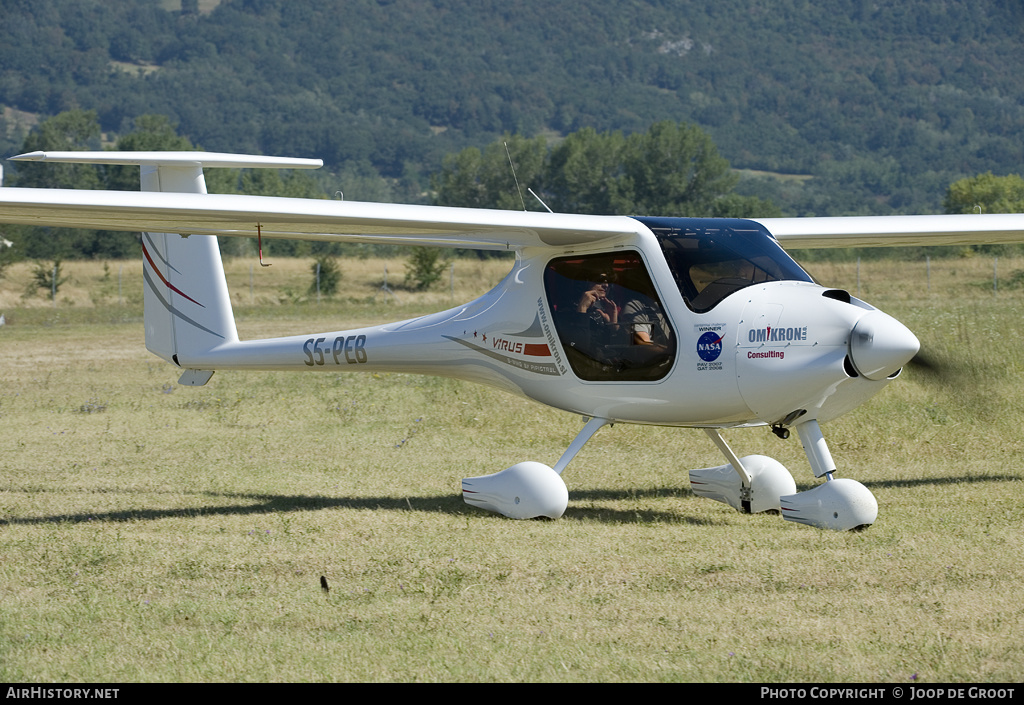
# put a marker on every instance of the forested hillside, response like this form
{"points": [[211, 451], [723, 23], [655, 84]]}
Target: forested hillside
{"points": [[883, 102]]}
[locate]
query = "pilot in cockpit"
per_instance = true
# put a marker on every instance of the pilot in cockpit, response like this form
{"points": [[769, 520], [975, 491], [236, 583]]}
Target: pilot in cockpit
{"points": [[596, 304]]}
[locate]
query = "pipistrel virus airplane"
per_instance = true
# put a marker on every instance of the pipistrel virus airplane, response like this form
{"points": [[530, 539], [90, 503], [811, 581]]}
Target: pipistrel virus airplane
{"points": [[689, 322]]}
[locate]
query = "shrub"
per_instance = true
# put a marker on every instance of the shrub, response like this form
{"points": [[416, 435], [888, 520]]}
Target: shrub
{"points": [[424, 267], [48, 276], [329, 275]]}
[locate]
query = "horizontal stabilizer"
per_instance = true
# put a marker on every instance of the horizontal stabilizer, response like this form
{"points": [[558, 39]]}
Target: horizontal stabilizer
{"points": [[206, 159]]}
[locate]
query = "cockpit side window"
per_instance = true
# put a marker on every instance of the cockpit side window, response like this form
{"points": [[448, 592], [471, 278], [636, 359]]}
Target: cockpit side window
{"points": [[609, 318], [712, 259]]}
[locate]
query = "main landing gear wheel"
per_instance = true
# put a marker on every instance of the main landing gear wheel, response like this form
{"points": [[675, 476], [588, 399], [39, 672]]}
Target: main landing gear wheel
{"points": [[769, 480], [529, 490], [526, 490]]}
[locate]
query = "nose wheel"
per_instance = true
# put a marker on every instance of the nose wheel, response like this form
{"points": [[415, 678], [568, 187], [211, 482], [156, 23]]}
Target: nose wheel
{"points": [[838, 504], [756, 483]]}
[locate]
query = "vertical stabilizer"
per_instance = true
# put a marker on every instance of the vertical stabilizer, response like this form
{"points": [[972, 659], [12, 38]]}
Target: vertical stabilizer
{"points": [[187, 305]]}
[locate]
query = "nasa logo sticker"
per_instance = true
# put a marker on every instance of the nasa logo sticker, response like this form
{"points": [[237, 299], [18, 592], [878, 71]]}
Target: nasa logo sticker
{"points": [[709, 346]]}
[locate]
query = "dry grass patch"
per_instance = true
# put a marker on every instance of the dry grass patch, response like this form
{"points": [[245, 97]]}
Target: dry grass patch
{"points": [[156, 533]]}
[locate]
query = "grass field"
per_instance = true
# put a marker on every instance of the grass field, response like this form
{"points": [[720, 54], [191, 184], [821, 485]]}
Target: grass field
{"points": [[151, 532]]}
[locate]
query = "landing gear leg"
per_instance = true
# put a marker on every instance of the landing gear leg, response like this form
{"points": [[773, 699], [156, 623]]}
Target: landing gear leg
{"points": [[588, 431], [750, 485], [528, 490], [837, 504]]}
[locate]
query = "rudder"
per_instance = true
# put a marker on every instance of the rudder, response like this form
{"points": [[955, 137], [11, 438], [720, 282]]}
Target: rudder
{"points": [[187, 307]]}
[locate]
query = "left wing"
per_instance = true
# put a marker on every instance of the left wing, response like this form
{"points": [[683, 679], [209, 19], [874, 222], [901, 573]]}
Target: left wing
{"points": [[305, 219], [174, 200], [896, 230]]}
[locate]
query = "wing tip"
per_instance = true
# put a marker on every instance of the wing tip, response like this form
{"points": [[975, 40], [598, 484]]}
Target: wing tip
{"points": [[29, 157]]}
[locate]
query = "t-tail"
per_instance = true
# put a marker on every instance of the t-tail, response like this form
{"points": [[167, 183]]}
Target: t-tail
{"points": [[187, 307]]}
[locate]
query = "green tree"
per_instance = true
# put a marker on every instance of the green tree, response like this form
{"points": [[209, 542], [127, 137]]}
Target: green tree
{"points": [[986, 193], [584, 173], [326, 275], [733, 205], [273, 182], [674, 169], [459, 182], [474, 179], [74, 130], [990, 193], [49, 276], [152, 133]]}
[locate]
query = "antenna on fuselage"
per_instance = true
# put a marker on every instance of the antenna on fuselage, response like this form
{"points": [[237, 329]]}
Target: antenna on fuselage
{"points": [[519, 190], [539, 200], [514, 177]]}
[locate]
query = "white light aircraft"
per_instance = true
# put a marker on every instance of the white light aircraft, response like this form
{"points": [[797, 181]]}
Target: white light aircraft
{"points": [[688, 322]]}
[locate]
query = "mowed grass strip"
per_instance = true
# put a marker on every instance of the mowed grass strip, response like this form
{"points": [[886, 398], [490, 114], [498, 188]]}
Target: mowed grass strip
{"points": [[151, 532]]}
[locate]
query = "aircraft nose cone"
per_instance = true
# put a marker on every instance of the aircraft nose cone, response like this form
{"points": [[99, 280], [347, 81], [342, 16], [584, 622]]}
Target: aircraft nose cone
{"points": [[880, 345]]}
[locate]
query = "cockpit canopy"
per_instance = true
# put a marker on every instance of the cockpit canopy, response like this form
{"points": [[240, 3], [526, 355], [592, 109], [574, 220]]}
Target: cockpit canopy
{"points": [[712, 258], [610, 320]]}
